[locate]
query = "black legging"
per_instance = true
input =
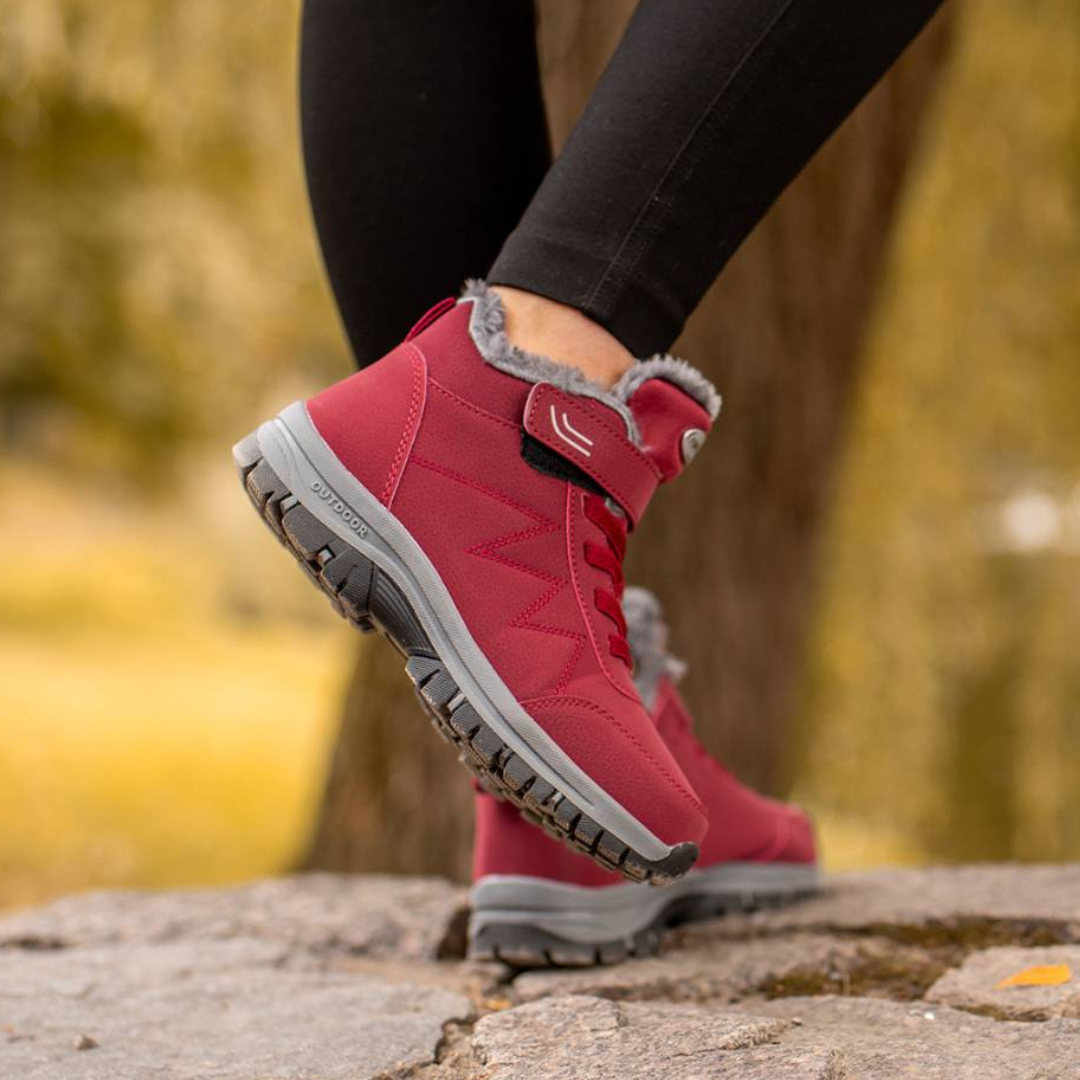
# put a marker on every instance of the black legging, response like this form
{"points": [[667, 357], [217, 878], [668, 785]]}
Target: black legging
{"points": [[428, 158]]}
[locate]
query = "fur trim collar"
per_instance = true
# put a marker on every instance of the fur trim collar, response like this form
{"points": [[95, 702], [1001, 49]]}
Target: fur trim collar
{"points": [[688, 379], [648, 635], [487, 325]]}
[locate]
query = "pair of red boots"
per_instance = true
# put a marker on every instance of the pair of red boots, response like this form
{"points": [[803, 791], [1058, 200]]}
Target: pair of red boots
{"points": [[472, 502]]}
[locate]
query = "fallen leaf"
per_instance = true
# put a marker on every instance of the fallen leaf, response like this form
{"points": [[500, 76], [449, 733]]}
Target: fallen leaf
{"points": [[1042, 975]]}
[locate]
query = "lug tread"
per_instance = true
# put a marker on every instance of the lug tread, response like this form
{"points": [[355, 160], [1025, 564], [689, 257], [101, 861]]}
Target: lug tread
{"points": [[522, 945], [369, 599], [438, 691]]}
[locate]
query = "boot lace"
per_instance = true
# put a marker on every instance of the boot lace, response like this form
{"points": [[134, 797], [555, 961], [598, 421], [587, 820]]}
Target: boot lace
{"points": [[608, 558]]}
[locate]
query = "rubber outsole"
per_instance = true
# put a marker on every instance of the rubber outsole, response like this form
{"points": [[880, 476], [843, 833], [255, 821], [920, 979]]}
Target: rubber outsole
{"points": [[520, 945], [367, 597]]}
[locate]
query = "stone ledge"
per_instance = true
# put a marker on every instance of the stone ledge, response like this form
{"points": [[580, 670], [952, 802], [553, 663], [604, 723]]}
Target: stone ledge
{"points": [[730, 970], [324, 977], [581, 1038], [401, 918], [1006, 899], [974, 985], [883, 1040], [188, 1010]]}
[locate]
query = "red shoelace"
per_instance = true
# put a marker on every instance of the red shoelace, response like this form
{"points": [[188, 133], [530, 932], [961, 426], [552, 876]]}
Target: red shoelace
{"points": [[608, 558]]}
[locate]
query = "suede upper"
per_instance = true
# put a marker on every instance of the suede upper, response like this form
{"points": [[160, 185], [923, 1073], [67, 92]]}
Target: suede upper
{"points": [[744, 826], [530, 559]]}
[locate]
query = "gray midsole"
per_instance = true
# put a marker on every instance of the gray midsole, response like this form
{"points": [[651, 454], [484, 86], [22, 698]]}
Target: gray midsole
{"points": [[611, 912], [298, 454]]}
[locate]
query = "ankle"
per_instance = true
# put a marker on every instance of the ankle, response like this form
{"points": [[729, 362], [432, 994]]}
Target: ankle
{"points": [[544, 326]]}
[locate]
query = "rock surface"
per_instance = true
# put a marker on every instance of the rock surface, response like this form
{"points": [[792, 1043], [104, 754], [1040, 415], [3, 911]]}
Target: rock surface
{"points": [[891, 974], [974, 985], [232, 1010], [368, 915], [586, 1038], [728, 970], [883, 1039], [1044, 901]]}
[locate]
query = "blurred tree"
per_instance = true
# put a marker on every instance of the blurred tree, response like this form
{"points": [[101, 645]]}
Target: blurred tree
{"points": [[160, 258], [730, 548], [942, 712], [150, 183]]}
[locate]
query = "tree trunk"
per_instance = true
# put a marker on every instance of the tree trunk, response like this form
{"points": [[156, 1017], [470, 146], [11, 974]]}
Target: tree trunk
{"points": [[730, 548]]}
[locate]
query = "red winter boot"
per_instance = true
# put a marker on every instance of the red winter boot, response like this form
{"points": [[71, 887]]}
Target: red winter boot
{"points": [[472, 502], [536, 903]]}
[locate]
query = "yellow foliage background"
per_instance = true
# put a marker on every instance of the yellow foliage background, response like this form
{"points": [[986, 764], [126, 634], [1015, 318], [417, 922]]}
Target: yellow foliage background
{"points": [[168, 693]]}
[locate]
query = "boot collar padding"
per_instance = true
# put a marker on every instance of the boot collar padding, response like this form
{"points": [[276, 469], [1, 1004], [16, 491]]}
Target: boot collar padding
{"points": [[487, 327]]}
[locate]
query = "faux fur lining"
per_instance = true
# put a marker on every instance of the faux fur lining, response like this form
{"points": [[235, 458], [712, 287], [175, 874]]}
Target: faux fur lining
{"points": [[487, 326], [678, 372], [648, 635]]}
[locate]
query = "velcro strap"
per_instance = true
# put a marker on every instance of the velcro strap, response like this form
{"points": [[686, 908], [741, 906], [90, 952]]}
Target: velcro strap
{"points": [[594, 438]]}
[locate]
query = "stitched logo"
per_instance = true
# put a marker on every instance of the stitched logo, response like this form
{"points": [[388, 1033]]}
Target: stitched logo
{"points": [[344, 512], [570, 434]]}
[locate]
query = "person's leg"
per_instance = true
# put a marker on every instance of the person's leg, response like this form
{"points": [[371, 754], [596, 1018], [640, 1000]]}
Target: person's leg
{"points": [[424, 139], [471, 499], [708, 109]]}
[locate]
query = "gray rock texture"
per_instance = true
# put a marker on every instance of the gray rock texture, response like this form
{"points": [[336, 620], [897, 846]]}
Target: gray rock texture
{"points": [[974, 985], [884, 1040], [1041, 900], [888, 975], [585, 1038], [728, 970], [368, 915], [231, 1010]]}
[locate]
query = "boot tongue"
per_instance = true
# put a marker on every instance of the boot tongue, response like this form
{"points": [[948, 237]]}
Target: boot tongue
{"points": [[672, 425]]}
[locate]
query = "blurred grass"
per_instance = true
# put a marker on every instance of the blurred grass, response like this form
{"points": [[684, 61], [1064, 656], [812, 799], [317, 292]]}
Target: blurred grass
{"points": [[164, 709]]}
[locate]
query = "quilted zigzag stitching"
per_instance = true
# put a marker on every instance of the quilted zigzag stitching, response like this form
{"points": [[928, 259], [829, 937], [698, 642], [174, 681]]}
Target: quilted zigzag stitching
{"points": [[492, 550], [525, 619]]}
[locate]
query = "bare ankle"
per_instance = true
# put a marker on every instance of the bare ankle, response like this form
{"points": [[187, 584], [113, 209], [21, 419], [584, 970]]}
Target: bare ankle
{"points": [[540, 325]]}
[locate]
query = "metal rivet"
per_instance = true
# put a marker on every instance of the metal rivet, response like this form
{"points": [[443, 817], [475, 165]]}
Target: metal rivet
{"points": [[693, 439]]}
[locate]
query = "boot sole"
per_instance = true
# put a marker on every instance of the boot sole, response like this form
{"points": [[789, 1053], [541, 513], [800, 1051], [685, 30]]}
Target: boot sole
{"points": [[378, 578], [532, 923]]}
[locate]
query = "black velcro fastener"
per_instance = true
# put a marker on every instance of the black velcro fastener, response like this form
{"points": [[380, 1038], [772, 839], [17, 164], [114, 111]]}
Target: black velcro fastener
{"points": [[547, 461]]}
